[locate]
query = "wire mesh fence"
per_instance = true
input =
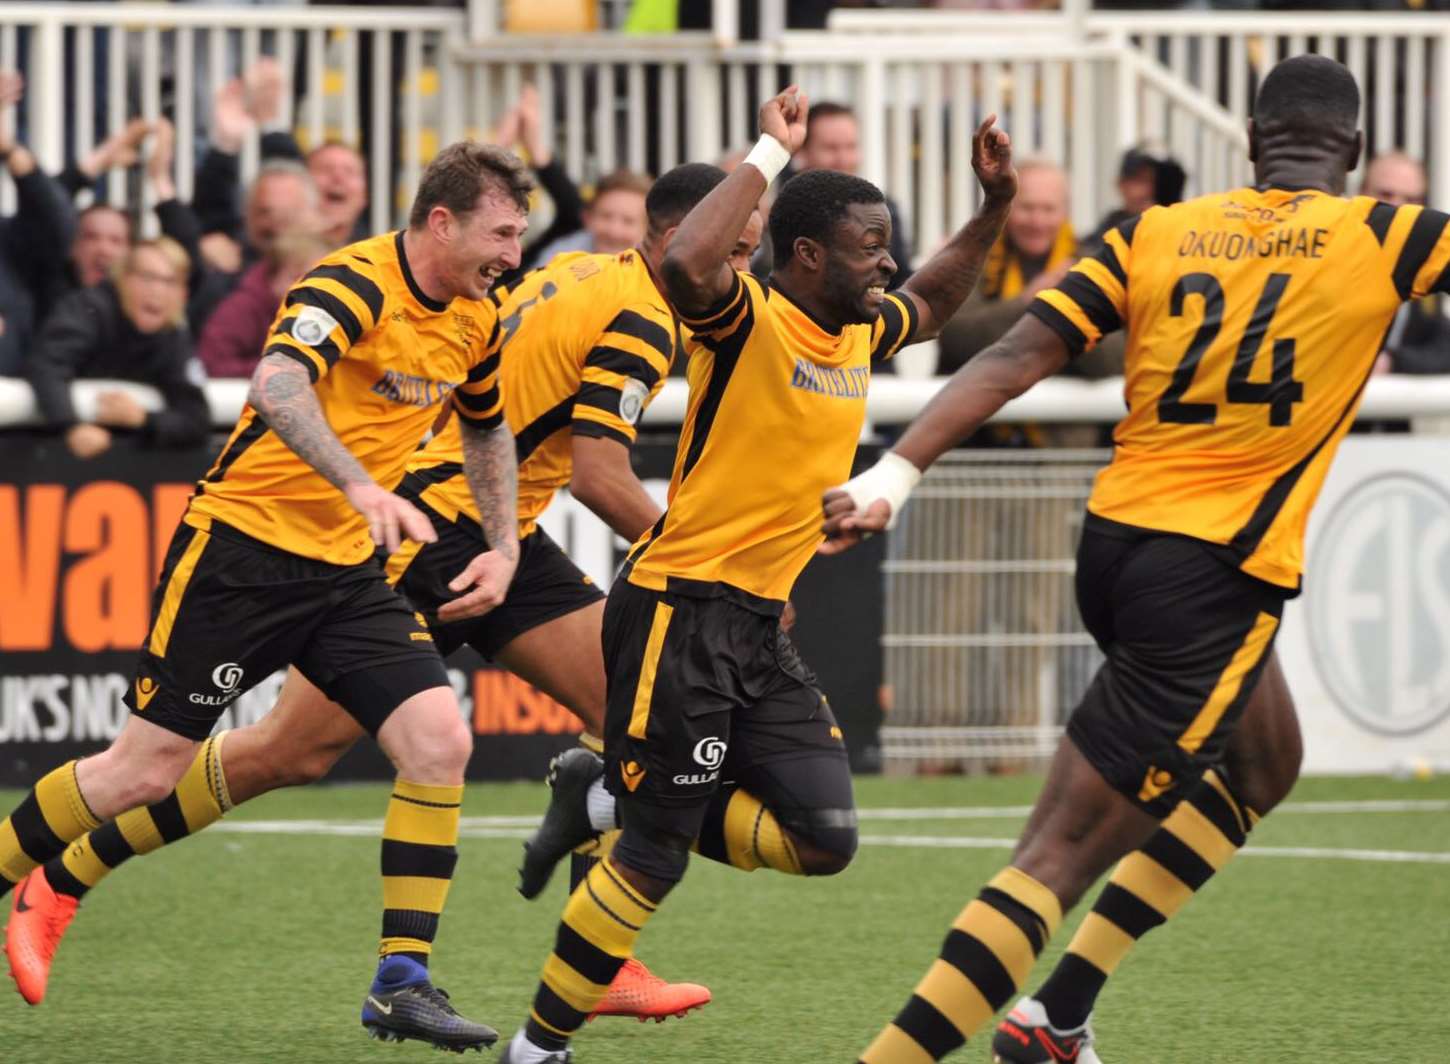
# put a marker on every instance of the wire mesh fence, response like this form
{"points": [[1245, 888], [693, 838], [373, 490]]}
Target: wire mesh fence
{"points": [[985, 654]]}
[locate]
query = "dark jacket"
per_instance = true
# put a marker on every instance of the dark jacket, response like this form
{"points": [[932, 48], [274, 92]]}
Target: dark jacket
{"points": [[1419, 339], [88, 335], [33, 249]]}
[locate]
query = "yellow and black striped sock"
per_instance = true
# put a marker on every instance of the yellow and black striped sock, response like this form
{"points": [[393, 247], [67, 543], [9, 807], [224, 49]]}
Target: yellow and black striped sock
{"points": [[740, 831], [985, 959], [420, 850], [596, 936], [1148, 887], [200, 799], [51, 817]]}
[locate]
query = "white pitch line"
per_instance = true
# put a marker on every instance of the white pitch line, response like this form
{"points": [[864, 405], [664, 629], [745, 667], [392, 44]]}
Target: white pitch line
{"points": [[1011, 812], [481, 826], [473, 829], [968, 842]]}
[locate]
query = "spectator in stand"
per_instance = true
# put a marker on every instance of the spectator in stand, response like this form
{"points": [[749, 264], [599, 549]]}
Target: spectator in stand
{"points": [[1147, 177], [231, 342], [281, 199], [1034, 252], [32, 243], [341, 177], [614, 219], [1419, 337], [103, 236], [833, 142], [132, 327]]}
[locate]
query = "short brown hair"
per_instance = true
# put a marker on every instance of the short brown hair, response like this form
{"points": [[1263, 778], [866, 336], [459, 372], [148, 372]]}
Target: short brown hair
{"points": [[461, 172], [622, 181]]}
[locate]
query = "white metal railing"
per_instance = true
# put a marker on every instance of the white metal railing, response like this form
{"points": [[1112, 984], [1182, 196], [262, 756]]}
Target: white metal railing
{"points": [[919, 98], [1401, 61], [892, 400], [1073, 85], [91, 67]]}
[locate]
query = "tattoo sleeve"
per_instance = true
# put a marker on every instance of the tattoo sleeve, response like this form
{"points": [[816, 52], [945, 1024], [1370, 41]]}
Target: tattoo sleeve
{"points": [[282, 393], [949, 276], [491, 464]]}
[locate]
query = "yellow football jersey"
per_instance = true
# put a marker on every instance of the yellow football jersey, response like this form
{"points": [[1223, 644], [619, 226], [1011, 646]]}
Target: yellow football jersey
{"points": [[383, 356], [1254, 318], [775, 413], [587, 342]]}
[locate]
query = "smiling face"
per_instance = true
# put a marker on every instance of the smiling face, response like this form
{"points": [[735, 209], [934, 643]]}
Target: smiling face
{"points": [[152, 290], [858, 264], [102, 236], [342, 185], [482, 244]]}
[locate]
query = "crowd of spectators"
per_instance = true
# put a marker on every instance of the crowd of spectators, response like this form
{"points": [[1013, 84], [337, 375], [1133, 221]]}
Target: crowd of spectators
{"points": [[83, 295]]}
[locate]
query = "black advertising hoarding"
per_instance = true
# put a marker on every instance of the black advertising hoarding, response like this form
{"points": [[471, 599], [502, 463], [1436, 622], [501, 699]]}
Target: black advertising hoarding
{"points": [[81, 544]]}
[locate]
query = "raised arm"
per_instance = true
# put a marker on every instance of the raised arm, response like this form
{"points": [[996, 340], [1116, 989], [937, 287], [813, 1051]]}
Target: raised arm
{"points": [[871, 501], [695, 272], [948, 277]]}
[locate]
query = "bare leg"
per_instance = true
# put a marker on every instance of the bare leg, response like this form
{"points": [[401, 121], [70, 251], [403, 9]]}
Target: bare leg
{"points": [[564, 658]]}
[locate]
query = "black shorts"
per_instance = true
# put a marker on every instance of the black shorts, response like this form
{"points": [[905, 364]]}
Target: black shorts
{"points": [[1186, 634], [230, 610], [702, 692], [546, 583]]}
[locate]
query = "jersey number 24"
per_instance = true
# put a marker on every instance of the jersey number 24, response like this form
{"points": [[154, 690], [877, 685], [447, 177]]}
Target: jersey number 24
{"points": [[1279, 393]]}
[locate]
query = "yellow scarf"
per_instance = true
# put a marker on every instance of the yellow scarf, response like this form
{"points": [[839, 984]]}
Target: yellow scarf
{"points": [[1002, 272]]}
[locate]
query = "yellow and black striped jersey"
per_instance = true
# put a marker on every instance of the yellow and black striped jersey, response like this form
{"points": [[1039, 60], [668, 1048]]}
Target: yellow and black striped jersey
{"points": [[383, 356], [586, 342], [1254, 318], [776, 408]]}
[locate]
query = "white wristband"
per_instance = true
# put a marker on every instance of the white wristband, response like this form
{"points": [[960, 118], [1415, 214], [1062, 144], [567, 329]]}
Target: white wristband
{"points": [[769, 156], [891, 479]]}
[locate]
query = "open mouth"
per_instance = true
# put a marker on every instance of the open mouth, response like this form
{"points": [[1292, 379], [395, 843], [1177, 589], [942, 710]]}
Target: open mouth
{"points": [[876, 292], [488, 275]]}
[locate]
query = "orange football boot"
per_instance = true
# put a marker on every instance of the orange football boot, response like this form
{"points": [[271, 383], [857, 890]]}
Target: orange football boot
{"points": [[38, 919], [637, 991]]}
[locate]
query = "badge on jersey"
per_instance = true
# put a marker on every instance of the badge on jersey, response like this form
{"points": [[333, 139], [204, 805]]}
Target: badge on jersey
{"points": [[632, 398], [312, 325]]}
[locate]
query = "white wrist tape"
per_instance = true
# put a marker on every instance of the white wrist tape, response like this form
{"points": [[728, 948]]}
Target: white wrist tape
{"points": [[891, 478], [769, 156]]}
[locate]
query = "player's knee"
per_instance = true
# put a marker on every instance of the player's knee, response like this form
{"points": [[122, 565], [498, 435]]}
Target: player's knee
{"points": [[438, 754], [828, 851], [659, 856], [1262, 782]]}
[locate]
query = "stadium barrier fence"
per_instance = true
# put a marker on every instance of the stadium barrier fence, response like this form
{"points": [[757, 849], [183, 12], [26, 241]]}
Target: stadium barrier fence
{"points": [[1076, 86]]}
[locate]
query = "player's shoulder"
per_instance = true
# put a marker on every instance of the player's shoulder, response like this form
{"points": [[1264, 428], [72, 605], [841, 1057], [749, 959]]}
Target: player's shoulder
{"points": [[369, 257]]}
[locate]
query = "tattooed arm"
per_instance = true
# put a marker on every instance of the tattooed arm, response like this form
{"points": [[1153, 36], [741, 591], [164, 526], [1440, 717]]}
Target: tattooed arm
{"points": [[943, 284], [491, 464], [282, 394]]}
